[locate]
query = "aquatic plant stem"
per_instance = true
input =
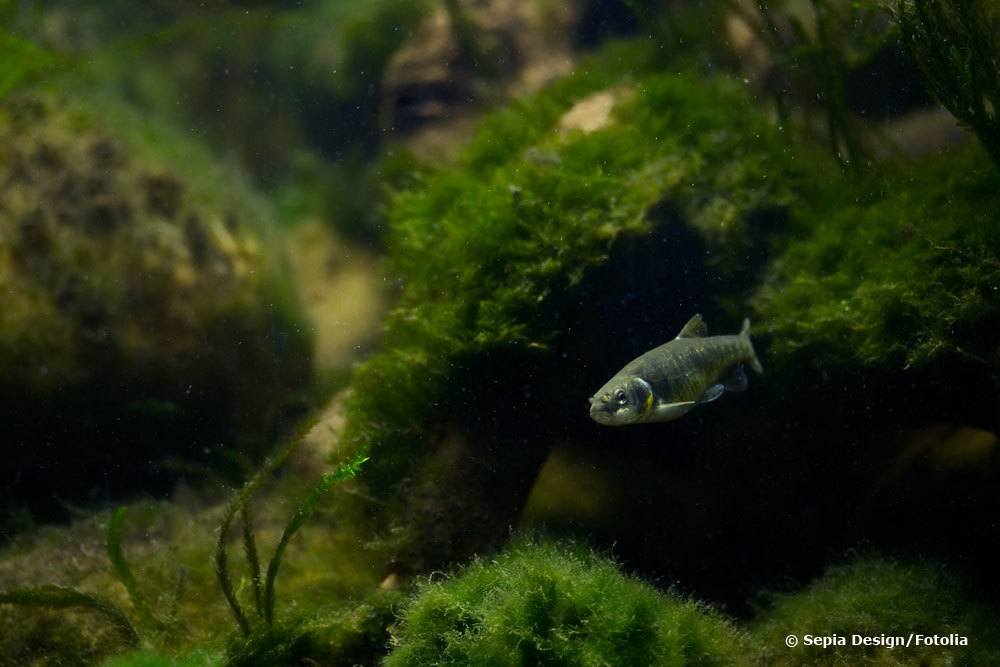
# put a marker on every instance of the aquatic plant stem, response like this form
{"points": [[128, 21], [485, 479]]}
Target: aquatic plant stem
{"points": [[249, 489], [250, 549], [124, 572], [344, 471], [952, 43]]}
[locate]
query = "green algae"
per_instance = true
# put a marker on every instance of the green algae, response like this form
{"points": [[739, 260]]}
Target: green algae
{"points": [[895, 272], [494, 255], [170, 545], [354, 632], [21, 61], [876, 596], [550, 604], [201, 658]]}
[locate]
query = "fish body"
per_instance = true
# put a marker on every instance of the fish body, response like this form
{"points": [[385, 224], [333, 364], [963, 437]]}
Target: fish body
{"points": [[668, 381]]}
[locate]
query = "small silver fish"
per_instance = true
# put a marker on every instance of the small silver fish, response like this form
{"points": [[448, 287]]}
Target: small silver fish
{"points": [[666, 382]]}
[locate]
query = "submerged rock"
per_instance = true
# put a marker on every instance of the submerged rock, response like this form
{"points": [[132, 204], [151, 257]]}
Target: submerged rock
{"points": [[141, 318], [547, 255], [468, 55], [897, 278]]}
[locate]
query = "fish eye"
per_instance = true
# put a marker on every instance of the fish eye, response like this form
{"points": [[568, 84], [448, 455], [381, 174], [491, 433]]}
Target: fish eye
{"points": [[620, 396]]}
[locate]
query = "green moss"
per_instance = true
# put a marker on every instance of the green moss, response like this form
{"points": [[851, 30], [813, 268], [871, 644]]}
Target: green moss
{"points": [[545, 604], [169, 550], [353, 633], [876, 597], [494, 251], [157, 659], [20, 61], [896, 272]]}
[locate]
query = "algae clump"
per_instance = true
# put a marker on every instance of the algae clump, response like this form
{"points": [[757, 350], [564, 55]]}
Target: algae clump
{"points": [[897, 272], [874, 597], [550, 604], [515, 256], [157, 659]]}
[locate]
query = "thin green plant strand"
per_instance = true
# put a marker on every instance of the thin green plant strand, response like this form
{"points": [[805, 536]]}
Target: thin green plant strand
{"points": [[249, 489], [250, 550], [124, 572], [61, 597], [347, 470]]}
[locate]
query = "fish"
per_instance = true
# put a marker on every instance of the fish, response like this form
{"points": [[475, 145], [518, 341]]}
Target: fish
{"points": [[669, 381]]}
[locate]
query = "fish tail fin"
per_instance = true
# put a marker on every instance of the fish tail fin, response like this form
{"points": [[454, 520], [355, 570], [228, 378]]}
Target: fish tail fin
{"points": [[745, 334]]}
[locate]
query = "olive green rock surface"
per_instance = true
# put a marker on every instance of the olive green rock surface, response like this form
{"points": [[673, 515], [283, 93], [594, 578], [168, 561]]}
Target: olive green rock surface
{"points": [[141, 319]]}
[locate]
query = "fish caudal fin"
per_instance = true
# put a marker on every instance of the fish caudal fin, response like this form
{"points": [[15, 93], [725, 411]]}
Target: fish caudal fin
{"points": [[745, 334]]}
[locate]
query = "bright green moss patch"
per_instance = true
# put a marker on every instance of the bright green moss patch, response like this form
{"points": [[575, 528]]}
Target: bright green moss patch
{"points": [[899, 273], [875, 597], [547, 604]]}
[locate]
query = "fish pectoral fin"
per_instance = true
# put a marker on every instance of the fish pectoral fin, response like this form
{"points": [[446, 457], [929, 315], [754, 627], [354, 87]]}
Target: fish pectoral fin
{"points": [[668, 411], [712, 393], [735, 379], [695, 328]]}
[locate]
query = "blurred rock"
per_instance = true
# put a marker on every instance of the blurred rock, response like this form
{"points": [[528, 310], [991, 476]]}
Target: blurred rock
{"points": [[468, 54], [879, 85], [341, 291], [140, 320]]}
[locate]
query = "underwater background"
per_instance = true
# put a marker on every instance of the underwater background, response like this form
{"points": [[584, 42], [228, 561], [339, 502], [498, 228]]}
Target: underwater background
{"points": [[301, 303]]}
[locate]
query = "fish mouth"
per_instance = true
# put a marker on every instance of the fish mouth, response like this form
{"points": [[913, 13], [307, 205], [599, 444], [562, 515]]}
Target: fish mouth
{"points": [[599, 414]]}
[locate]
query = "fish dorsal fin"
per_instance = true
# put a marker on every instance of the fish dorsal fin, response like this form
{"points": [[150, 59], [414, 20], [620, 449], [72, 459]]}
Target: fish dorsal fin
{"points": [[695, 328]]}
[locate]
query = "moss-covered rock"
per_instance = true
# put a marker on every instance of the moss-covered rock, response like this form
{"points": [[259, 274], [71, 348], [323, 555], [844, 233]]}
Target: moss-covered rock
{"points": [[896, 276], [140, 318], [546, 238], [557, 605], [880, 598]]}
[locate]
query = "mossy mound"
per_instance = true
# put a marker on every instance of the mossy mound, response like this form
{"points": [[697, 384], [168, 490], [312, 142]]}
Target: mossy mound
{"points": [[157, 659], [897, 272], [546, 604], [613, 197], [355, 634], [139, 319], [878, 597]]}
